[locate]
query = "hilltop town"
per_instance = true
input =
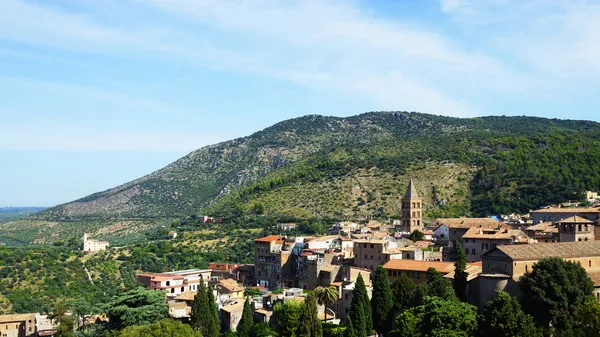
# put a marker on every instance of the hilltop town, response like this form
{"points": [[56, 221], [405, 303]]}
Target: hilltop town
{"points": [[497, 252]]}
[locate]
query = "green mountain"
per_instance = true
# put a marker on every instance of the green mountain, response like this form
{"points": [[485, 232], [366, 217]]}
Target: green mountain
{"points": [[347, 168]]}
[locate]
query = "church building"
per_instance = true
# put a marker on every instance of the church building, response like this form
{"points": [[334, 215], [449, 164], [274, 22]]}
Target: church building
{"points": [[412, 210]]}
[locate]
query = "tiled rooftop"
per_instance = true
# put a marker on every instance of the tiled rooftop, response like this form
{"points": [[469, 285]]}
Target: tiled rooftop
{"points": [[538, 251]]}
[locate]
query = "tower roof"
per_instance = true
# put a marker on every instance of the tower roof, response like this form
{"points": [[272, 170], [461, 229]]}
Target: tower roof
{"points": [[411, 191]]}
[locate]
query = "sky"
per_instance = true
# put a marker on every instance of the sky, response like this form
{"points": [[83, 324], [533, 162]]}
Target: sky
{"points": [[96, 93]]}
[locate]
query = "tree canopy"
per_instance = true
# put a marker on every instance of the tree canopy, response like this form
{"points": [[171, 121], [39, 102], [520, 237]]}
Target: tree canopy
{"points": [[503, 316], [137, 307], [166, 327], [554, 290]]}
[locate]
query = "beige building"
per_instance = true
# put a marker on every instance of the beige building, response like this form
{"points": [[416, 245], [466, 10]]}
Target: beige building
{"points": [[90, 246], [231, 314], [176, 282], [504, 265], [575, 228], [477, 241], [17, 325], [412, 210], [543, 232], [371, 253], [453, 229], [555, 214]]}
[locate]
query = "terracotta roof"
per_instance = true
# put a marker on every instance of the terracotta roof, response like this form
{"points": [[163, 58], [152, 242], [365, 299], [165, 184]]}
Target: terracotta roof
{"points": [[177, 305], [468, 222], [413, 265], [575, 219], [374, 241], [397, 250], [163, 277], [16, 318], [473, 270], [595, 277], [270, 238], [186, 296], [495, 234], [426, 231], [567, 210], [231, 285], [547, 226], [326, 237], [239, 305], [422, 244], [538, 251]]}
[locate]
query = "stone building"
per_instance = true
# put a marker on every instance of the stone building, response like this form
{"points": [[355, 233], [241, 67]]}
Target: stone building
{"points": [[575, 228], [455, 228], [543, 232], [477, 241], [555, 214], [90, 246], [412, 208], [503, 265], [271, 255], [371, 253], [17, 325]]}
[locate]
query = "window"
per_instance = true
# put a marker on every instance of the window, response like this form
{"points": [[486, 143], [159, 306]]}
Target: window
{"points": [[526, 268], [473, 251], [372, 246], [590, 263]]}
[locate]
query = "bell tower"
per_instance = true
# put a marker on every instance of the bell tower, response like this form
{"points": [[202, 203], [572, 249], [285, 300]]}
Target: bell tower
{"points": [[412, 208]]}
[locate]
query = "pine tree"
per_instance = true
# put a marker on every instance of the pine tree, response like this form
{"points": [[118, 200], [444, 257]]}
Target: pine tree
{"points": [[214, 325], [360, 309], [460, 275], [201, 316], [309, 323], [246, 322], [381, 302]]}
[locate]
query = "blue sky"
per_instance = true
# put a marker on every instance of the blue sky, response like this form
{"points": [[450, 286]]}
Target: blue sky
{"points": [[96, 93]]}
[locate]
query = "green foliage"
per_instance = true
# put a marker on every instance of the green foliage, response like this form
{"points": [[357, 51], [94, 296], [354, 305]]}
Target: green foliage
{"points": [[215, 323], [66, 326], [588, 322], [360, 309], [202, 318], [351, 330], [439, 286], [262, 330], [554, 290], [416, 235], [137, 307], [326, 296], [503, 316], [381, 302], [285, 318], [460, 275], [309, 324], [333, 330], [164, 328], [520, 163], [438, 317], [246, 323], [403, 291]]}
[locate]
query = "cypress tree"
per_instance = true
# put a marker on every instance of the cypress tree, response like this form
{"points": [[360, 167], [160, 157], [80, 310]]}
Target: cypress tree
{"points": [[438, 286], [246, 322], [360, 309], [381, 302], [350, 330], [201, 315], [403, 290], [310, 325], [215, 324], [460, 275]]}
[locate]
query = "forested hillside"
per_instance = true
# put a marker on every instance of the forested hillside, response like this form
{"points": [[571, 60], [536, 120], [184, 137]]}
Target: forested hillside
{"points": [[332, 167]]}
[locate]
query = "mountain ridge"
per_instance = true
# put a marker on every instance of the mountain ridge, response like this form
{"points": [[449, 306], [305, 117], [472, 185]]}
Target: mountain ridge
{"points": [[315, 151]]}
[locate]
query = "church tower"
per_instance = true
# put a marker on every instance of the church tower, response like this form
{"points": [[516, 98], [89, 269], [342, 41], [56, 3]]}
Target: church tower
{"points": [[412, 207]]}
